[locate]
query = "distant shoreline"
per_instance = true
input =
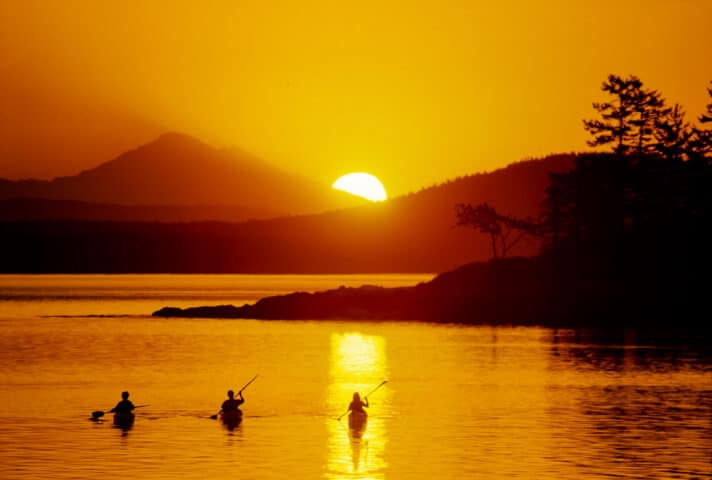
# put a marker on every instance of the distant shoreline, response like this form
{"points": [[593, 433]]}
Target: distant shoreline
{"points": [[516, 292]]}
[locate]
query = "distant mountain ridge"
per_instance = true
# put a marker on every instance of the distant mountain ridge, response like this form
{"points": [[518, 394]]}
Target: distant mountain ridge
{"points": [[178, 170], [37, 209], [413, 233]]}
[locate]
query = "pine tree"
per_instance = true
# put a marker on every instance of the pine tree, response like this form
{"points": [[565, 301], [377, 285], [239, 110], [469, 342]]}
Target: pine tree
{"points": [[707, 116], [701, 142], [672, 134], [615, 126], [648, 107]]}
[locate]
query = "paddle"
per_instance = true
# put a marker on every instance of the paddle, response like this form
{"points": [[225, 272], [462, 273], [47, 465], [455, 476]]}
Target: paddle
{"points": [[95, 415], [365, 398], [214, 417]]}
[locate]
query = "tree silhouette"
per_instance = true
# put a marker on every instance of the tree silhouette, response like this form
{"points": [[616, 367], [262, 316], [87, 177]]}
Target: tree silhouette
{"points": [[648, 109], [701, 143], [629, 120], [707, 116], [500, 228], [672, 134], [615, 126], [699, 147]]}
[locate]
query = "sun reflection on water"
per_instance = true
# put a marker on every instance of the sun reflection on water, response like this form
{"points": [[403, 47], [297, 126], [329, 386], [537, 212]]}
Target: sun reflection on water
{"points": [[357, 364]]}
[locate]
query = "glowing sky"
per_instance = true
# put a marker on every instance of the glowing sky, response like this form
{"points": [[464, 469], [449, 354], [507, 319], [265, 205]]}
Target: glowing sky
{"points": [[413, 92]]}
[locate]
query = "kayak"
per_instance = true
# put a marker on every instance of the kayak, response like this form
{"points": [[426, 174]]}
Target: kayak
{"points": [[231, 418], [124, 420], [358, 420]]}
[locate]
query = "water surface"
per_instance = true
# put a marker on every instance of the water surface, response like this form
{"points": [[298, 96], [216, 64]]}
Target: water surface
{"points": [[460, 402]]}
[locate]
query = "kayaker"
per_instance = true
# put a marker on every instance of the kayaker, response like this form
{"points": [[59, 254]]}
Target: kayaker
{"points": [[357, 404], [232, 403], [124, 406]]}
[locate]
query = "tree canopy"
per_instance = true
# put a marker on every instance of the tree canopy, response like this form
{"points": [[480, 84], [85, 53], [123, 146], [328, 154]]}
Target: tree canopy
{"points": [[636, 120]]}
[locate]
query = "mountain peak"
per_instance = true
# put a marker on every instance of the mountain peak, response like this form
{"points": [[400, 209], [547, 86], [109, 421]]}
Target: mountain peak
{"points": [[177, 169], [174, 141], [173, 137]]}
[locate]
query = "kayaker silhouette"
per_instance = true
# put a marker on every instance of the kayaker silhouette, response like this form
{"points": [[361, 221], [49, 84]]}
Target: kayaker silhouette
{"points": [[357, 415], [123, 412], [357, 404], [124, 406], [232, 404], [230, 413]]}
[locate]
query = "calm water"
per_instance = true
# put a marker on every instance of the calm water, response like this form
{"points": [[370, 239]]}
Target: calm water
{"points": [[460, 402]]}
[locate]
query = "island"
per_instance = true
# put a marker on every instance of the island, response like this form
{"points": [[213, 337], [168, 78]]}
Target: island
{"points": [[511, 291]]}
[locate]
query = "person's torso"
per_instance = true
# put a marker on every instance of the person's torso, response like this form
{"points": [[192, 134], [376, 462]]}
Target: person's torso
{"points": [[231, 404], [124, 406]]}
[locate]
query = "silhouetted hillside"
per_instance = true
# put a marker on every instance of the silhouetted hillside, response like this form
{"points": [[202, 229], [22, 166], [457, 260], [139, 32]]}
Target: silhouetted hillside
{"points": [[413, 233], [516, 291], [176, 169], [627, 241], [37, 209]]}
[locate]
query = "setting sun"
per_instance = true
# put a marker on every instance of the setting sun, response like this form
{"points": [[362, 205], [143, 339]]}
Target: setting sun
{"points": [[363, 185]]}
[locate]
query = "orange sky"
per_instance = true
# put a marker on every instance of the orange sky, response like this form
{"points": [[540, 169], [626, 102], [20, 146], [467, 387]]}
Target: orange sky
{"points": [[413, 92]]}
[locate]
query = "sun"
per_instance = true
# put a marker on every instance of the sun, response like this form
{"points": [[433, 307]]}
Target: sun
{"points": [[362, 185]]}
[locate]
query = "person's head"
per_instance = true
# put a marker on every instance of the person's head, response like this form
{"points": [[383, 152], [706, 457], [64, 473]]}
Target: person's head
{"points": [[357, 396], [230, 393], [125, 395]]}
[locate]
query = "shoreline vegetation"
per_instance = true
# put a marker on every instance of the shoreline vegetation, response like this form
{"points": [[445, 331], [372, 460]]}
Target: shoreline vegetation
{"points": [[514, 291], [625, 239]]}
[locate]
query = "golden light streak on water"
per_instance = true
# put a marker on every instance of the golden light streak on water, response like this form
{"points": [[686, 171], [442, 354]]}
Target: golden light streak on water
{"points": [[358, 363]]}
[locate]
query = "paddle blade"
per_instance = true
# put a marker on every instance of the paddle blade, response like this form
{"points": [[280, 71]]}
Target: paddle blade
{"points": [[97, 414], [214, 417]]}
